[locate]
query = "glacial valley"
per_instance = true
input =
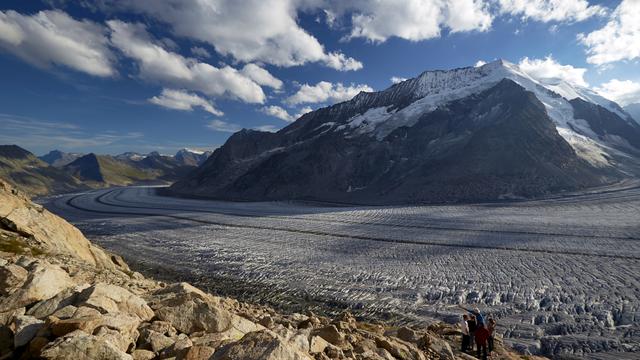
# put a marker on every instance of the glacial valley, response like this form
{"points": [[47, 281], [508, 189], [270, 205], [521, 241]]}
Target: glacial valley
{"points": [[559, 274]]}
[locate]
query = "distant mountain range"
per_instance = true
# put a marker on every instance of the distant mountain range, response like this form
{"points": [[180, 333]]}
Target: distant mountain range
{"points": [[58, 158], [469, 134], [32, 175], [192, 157], [58, 172]]}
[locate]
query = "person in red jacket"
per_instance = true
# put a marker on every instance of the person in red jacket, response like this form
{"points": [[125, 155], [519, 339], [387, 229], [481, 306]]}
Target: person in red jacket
{"points": [[482, 335]]}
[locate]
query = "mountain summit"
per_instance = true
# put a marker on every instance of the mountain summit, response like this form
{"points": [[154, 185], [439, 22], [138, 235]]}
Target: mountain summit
{"points": [[192, 157], [467, 134]]}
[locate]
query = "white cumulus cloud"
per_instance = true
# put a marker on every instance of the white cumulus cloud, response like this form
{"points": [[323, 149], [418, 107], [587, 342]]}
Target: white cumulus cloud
{"points": [[183, 100], [157, 64], [414, 19], [325, 91], [549, 68], [54, 38], [266, 128], [283, 114], [551, 10], [250, 31], [278, 112], [624, 92], [261, 76], [619, 39], [340, 61], [223, 126], [396, 79]]}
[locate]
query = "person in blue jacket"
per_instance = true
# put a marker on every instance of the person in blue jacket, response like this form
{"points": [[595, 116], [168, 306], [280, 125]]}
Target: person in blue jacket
{"points": [[476, 312]]}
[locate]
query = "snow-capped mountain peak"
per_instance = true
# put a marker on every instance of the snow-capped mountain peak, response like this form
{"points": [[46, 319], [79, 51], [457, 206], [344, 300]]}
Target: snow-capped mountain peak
{"points": [[433, 89], [469, 133], [191, 156], [192, 151]]}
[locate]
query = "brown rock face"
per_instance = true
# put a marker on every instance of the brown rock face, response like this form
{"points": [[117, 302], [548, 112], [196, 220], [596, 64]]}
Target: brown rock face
{"points": [[198, 352], [260, 345], [111, 299], [44, 282], [331, 334], [48, 231], [81, 346], [11, 277]]}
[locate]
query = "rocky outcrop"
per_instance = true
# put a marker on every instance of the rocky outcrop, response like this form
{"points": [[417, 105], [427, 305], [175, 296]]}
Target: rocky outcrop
{"points": [[48, 232], [59, 304], [262, 344], [43, 282]]}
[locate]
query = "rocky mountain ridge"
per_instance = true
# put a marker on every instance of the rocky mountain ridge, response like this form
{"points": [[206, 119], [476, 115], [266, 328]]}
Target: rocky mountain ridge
{"points": [[32, 175], [57, 158], [469, 134], [64, 298], [60, 172]]}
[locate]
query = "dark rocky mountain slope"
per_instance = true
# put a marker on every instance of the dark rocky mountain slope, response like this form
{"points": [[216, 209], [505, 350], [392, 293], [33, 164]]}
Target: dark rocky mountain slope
{"points": [[497, 143], [107, 170]]}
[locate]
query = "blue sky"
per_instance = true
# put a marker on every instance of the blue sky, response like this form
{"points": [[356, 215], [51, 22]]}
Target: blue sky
{"points": [[142, 75]]}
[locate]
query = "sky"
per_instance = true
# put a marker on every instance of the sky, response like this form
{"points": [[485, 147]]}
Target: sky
{"points": [[110, 76]]}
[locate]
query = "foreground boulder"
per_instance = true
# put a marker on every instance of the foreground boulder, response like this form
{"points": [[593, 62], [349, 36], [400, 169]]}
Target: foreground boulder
{"points": [[44, 282], [112, 299], [11, 277], [81, 346], [26, 328], [190, 310], [63, 299], [263, 345], [49, 232]]}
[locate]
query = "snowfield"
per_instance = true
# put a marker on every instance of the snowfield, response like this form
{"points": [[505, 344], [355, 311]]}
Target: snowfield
{"points": [[562, 275]]}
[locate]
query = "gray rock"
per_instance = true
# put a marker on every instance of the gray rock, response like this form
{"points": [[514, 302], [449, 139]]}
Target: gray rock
{"points": [[189, 309], [331, 334], [109, 298], [26, 328], [79, 345], [65, 312], [44, 282], [84, 311], [7, 316], [11, 277], [260, 345], [64, 298], [154, 341], [317, 344], [399, 349], [440, 346], [140, 354], [197, 352]]}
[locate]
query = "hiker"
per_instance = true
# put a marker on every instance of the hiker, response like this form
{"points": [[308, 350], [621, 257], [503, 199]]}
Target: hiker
{"points": [[471, 323], [475, 312], [482, 335], [464, 327], [492, 328]]}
